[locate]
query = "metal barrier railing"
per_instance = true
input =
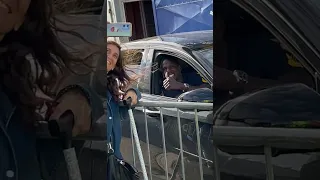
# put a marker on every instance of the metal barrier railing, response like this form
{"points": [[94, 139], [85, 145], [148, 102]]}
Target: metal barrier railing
{"points": [[269, 140], [98, 132], [178, 107]]}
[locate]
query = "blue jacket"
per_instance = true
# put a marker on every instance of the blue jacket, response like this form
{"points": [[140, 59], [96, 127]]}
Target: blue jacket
{"points": [[115, 114]]}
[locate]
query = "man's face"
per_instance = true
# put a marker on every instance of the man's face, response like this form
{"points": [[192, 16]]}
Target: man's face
{"points": [[170, 69]]}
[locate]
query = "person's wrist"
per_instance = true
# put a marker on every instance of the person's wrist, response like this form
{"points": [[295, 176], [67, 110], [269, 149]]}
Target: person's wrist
{"points": [[131, 90], [75, 94], [241, 76], [184, 87], [181, 86]]}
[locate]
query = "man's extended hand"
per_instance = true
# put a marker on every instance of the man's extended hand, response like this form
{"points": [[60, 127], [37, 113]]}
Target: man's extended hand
{"points": [[170, 83]]}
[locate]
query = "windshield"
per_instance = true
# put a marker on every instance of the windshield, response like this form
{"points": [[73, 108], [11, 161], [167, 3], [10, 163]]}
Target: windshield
{"points": [[205, 56]]}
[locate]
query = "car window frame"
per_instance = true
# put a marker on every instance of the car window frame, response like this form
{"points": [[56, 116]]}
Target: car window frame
{"points": [[143, 65], [187, 58], [177, 55], [152, 53]]}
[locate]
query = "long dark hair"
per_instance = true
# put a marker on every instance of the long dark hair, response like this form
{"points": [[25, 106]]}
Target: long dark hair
{"points": [[118, 79], [36, 37]]}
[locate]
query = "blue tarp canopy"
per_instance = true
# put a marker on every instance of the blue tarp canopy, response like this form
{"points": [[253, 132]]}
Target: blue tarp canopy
{"points": [[174, 16]]}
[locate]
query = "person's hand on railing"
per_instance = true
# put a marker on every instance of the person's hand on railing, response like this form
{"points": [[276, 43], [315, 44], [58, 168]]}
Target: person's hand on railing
{"points": [[133, 95], [77, 103]]}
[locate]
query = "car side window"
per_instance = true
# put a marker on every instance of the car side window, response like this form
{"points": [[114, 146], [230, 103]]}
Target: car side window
{"points": [[136, 66], [189, 74]]}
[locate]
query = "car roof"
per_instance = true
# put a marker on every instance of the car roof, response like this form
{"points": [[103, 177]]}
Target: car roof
{"points": [[188, 39]]}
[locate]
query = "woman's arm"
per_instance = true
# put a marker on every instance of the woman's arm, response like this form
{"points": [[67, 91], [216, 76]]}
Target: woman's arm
{"points": [[69, 81], [93, 98], [124, 110], [138, 93]]}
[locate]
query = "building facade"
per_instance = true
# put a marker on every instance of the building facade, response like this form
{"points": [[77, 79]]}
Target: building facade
{"points": [[138, 12], [157, 17]]}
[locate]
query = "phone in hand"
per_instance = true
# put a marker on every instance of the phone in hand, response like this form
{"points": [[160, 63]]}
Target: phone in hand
{"points": [[123, 29]]}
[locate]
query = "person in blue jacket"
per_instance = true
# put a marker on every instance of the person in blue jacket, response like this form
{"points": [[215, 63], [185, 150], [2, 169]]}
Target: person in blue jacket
{"points": [[117, 90]]}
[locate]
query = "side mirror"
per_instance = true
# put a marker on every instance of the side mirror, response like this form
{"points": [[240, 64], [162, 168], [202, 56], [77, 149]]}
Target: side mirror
{"points": [[201, 95]]}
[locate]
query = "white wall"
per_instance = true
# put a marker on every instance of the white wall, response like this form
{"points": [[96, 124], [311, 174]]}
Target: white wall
{"points": [[111, 17], [115, 13], [111, 13], [119, 15]]}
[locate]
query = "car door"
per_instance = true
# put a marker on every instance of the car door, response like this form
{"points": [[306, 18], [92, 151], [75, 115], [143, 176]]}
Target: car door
{"points": [[170, 114], [184, 56], [147, 119]]}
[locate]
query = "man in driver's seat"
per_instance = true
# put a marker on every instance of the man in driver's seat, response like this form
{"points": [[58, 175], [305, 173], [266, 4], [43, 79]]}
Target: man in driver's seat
{"points": [[176, 81]]}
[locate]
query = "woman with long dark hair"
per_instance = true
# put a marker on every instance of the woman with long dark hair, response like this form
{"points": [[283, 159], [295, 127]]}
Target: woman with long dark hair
{"points": [[28, 36], [118, 82]]}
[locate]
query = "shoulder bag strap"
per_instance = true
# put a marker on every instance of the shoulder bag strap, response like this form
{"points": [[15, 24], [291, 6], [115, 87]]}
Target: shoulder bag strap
{"points": [[109, 137]]}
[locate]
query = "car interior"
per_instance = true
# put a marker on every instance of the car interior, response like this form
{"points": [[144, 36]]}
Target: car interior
{"points": [[242, 43]]}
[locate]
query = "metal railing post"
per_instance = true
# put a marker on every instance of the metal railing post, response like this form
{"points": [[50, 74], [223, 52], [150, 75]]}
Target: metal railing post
{"points": [[147, 139], [269, 166], [198, 143], [216, 169], [181, 145], [164, 143]]}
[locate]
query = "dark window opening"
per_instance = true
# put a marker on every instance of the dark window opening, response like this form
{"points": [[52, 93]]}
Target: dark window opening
{"points": [[140, 14], [242, 43]]}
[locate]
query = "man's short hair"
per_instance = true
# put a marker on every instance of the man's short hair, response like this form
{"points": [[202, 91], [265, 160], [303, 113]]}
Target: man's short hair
{"points": [[169, 58]]}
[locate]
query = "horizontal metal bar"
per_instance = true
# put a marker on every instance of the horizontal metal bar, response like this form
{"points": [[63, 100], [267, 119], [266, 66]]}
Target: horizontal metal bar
{"points": [[228, 136], [172, 104], [184, 114], [179, 105], [98, 131], [288, 138], [194, 155]]}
